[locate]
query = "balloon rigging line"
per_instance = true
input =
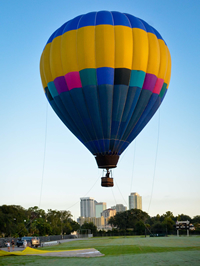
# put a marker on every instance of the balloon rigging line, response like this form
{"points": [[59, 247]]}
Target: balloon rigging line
{"points": [[43, 167], [122, 156], [127, 208], [44, 156], [85, 194], [67, 208], [120, 192], [114, 196], [133, 166], [154, 172], [36, 216], [92, 186]]}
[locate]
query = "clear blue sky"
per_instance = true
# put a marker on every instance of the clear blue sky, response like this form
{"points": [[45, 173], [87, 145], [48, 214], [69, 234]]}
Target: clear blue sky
{"points": [[70, 171]]}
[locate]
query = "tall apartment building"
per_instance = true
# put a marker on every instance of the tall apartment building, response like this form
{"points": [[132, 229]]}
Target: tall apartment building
{"points": [[99, 208], [107, 214], [99, 222], [87, 207], [135, 201], [119, 208]]}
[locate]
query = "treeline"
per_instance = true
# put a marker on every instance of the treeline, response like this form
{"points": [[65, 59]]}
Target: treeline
{"points": [[138, 222], [16, 221]]}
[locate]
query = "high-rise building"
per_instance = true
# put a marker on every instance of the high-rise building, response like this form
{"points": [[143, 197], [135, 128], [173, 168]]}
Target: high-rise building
{"points": [[99, 207], [135, 201], [87, 207], [107, 214], [99, 222], [119, 208]]}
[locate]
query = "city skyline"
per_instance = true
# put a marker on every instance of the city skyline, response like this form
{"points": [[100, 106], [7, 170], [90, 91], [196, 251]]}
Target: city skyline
{"points": [[89, 207]]}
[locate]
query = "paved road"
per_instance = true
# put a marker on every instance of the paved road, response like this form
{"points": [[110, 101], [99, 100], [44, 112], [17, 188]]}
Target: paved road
{"points": [[61, 241], [15, 249]]}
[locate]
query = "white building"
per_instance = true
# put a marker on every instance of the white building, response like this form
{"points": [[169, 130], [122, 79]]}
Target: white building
{"points": [[135, 201], [87, 206]]}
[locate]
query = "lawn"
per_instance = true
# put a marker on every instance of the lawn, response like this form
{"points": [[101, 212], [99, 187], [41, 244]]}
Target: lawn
{"points": [[122, 251]]}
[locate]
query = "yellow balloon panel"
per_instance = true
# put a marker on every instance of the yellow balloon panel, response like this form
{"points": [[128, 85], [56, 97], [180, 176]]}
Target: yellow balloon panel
{"points": [[163, 59], [46, 63], [105, 46], [55, 58], [154, 55], [44, 84], [140, 50], [86, 47], [69, 52], [123, 47], [169, 65]]}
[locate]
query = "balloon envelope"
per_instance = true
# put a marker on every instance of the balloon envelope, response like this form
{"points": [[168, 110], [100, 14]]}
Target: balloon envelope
{"points": [[105, 74]]}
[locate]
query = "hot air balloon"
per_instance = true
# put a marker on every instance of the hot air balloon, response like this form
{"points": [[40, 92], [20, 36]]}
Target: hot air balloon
{"points": [[105, 74]]}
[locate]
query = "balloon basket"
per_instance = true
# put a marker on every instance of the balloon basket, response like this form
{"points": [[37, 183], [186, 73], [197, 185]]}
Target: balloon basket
{"points": [[107, 182]]}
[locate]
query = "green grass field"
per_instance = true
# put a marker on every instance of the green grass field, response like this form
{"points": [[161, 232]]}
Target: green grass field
{"points": [[122, 251]]}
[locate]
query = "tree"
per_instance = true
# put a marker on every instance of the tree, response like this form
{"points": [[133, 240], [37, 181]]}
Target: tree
{"points": [[10, 217], [140, 228], [21, 230], [168, 214], [168, 224], [152, 220], [129, 219], [42, 226], [88, 226], [196, 219], [35, 212], [184, 217], [157, 228], [112, 221], [59, 221], [75, 226]]}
